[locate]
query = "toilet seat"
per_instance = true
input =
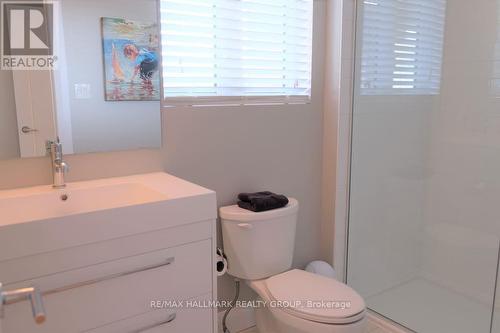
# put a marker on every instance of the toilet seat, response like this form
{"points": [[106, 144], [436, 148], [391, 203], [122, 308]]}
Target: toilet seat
{"points": [[315, 298]]}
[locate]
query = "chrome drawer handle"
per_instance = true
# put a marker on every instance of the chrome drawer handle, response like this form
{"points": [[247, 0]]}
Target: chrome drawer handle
{"points": [[30, 293], [170, 319], [97, 280]]}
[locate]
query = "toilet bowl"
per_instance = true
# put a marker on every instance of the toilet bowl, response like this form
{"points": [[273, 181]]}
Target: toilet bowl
{"points": [[259, 249], [302, 302]]}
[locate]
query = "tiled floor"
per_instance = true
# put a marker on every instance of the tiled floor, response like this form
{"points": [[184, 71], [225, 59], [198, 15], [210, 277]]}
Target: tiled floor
{"points": [[251, 330], [370, 329], [377, 330], [430, 308]]}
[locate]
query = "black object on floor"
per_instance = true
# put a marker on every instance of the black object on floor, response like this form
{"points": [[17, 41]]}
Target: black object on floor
{"points": [[261, 201]]}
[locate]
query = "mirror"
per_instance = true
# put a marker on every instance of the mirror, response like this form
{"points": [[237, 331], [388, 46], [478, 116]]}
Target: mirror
{"points": [[102, 93]]}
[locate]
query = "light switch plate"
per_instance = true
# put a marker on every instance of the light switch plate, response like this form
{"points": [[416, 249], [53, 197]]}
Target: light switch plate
{"points": [[82, 91]]}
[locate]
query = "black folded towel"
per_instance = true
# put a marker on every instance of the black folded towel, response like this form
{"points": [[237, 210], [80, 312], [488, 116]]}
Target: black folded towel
{"points": [[261, 201], [248, 196]]}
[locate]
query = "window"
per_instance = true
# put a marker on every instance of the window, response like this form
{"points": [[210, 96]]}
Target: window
{"points": [[402, 46], [236, 51]]}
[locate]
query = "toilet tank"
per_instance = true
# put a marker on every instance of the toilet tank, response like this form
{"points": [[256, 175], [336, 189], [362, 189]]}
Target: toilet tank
{"points": [[259, 245]]}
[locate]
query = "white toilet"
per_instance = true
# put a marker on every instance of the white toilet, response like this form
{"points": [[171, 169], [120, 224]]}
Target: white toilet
{"points": [[259, 248]]}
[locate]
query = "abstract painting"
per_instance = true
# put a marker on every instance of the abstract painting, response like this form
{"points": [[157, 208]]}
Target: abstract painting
{"points": [[131, 60]]}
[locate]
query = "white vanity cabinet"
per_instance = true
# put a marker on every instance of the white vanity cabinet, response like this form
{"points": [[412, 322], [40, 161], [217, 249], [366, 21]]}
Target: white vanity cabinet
{"points": [[119, 269]]}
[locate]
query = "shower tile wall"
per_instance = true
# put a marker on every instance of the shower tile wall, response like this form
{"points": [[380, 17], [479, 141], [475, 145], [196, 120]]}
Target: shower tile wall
{"points": [[462, 226], [425, 187], [387, 197]]}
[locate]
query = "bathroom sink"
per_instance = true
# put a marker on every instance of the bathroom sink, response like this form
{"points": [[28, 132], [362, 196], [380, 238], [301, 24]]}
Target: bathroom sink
{"points": [[43, 203], [47, 219]]}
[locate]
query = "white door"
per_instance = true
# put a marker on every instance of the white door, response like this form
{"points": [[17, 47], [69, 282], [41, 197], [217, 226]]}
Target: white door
{"points": [[35, 111]]}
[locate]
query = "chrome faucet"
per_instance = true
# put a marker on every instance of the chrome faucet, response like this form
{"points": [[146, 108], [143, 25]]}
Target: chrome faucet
{"points": [[59, 167]]}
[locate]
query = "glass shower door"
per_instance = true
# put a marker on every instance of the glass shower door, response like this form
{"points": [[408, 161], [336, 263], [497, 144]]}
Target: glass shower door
{"points": [[424, 220]]}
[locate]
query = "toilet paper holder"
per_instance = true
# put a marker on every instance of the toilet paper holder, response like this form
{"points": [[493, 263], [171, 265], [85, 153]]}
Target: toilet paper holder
{"points": [[221, 262]]}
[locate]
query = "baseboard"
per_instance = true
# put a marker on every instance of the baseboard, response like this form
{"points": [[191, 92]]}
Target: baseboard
{"points": [[377, 321], [239, 319]]}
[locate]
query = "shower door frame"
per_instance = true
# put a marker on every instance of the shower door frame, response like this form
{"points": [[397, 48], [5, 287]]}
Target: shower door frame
{"points": [[344, 44]]}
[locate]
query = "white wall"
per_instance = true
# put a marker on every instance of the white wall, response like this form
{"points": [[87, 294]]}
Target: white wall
{"points": [[236, 149], [99, 125], [9, 138], [38, 171]]}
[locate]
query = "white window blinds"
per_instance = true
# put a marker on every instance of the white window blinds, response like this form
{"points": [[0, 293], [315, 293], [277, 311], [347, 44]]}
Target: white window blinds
{"points": [[402, 46], [236, 51]]}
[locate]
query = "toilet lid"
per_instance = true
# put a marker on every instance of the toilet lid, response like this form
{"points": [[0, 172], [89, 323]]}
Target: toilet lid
{"points": [[314, 297]]}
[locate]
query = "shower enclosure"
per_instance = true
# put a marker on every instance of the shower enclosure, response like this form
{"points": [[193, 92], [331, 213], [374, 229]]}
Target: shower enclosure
{"points": [[424, 215]]}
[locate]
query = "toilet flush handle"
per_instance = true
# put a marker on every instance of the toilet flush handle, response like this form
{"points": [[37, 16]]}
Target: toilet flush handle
{"points": [[245, 226]]}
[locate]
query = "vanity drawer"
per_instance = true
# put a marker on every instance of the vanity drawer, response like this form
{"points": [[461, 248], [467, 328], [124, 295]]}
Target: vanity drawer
{"points": [[181, 320], [49, 263], [95, 295]]}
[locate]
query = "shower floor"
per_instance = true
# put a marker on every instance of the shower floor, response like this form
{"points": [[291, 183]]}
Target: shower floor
{"points": [[428, 308]]}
